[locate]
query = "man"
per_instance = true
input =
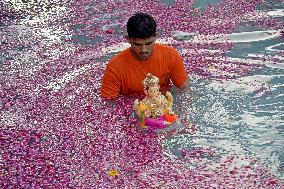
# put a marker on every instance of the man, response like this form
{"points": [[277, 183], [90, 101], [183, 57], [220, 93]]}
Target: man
{"points": [[125, 71]]}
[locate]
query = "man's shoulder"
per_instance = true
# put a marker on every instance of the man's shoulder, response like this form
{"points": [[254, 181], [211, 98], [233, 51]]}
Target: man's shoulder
{"points": [[165, 48], [119, 58]]}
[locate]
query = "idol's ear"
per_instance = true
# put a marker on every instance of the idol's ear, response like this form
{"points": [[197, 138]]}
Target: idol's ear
{"points": [[146, 92]]}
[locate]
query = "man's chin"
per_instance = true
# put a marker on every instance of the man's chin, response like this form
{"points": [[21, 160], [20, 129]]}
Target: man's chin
{"points": [[144, 57]]}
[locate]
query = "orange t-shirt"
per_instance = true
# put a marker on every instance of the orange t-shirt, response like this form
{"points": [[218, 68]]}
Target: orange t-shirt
{"points": [[124, 74]]}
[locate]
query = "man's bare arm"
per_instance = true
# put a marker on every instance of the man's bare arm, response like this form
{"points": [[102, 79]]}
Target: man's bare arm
{"points": [[187, 86]]}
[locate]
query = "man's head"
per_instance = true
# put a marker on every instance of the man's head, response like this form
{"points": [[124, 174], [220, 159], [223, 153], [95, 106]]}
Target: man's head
{"points": [[141, 25], [141, 30]]}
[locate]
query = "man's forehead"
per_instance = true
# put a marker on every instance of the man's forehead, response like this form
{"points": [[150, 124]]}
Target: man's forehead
{"points": [[142, 41]]}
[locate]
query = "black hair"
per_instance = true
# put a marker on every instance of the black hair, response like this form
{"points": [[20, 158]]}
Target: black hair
{"points": [[141, 25]]}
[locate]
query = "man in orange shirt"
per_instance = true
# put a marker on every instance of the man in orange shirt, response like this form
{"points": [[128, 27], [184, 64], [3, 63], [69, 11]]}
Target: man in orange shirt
{"points": [[125, 71]]}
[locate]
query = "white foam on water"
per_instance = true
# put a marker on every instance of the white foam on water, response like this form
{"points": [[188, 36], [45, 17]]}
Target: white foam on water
{"points": [[114, 48], [252, 120], [247, 84], [263, 137], [268, 63], [216, 114], [53, 34], [255, 15], [181, 35], [276, 13], [244, 37], [199, 51], [269, 57], [60, 82], [41, 17], [28, 61], [241, 37], [231, 146], [273, 48]]}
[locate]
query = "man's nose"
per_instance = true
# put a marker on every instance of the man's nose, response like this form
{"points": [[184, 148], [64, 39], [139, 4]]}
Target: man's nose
{"points": [[143, 48]]}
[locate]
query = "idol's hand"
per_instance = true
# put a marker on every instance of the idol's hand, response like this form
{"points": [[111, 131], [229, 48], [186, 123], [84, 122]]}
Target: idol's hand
{"points": [[169, 96], [135, 105], [147, 113]]}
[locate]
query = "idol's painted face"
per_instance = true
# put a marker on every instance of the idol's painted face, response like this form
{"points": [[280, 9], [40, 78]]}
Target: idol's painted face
{"points": [[142, 49], [153, 91]]}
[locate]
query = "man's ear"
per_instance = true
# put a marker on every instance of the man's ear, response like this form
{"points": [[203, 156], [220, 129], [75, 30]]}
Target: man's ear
{"points": [[156, 34], [127, 38]]}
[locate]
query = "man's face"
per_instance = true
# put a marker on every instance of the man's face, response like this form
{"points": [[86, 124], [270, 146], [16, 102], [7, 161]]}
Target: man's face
{"points": [[142, 49]]}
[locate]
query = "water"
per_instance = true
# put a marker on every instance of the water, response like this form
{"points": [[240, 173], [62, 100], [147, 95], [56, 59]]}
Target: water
{"points": [[56, 127], [245, 115]]}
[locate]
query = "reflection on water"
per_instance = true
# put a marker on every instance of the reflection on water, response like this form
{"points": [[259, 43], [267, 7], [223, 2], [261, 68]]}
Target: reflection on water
{"points": [[55, 125]]}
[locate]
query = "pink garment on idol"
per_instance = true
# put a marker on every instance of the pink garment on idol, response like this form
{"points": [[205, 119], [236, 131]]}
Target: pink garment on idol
{"points": [[155, 123]]}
